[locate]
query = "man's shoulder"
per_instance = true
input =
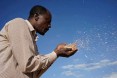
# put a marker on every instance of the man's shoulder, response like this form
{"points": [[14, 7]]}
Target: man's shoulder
{"points": [[15, 20], [18, 20], [17, 23]]}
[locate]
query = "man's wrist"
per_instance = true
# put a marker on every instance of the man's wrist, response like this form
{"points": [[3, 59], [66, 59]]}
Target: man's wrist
{"points": [[57, 53]]}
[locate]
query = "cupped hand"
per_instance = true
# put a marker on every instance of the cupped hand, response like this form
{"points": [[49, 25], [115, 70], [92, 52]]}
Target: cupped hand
{"points": [[65, 50]]}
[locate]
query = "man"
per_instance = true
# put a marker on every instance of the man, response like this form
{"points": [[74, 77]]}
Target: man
{"points": [[19, 57]]}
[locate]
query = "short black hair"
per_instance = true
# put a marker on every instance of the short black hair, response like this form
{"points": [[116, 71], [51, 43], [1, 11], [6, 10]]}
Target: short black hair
{"points": [[37, 9]]}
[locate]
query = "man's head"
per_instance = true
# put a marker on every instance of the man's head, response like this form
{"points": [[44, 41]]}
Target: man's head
{"points": [[40, 18]]}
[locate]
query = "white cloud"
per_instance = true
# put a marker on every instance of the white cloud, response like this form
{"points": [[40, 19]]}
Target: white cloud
{"points": [[90, 66], [71, 69], [68, 73], [68, 67], [112, 75], [71, 73]]}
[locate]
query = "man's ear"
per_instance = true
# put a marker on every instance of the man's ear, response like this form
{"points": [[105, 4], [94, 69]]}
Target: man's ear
{"points": [[36, 16]]}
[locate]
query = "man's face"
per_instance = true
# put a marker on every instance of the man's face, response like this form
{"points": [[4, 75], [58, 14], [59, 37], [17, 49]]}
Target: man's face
{"points": [[43, 23]]}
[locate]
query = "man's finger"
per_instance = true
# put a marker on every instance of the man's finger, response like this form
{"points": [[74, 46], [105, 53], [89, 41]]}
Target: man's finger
{"points": [[68, 49]]}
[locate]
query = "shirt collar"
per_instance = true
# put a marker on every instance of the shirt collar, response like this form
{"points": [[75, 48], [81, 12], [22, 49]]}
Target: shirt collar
{"points": [[30, 26], [32, 30]]}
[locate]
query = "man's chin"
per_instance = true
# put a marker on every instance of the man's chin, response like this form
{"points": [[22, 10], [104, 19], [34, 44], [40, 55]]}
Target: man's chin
{"points": [[42, 34]]}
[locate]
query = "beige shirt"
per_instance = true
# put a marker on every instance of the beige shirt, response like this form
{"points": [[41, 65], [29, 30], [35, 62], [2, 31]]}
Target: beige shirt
{"points": [[18, 52]]}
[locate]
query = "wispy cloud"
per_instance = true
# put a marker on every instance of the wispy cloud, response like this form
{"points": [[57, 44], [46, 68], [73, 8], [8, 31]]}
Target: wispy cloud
{"points": [[71, 69], [90, 66], [112, 75], [68, 73], [71, 73]]}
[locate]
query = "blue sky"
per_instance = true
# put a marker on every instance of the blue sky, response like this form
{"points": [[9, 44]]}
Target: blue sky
{"points": [[92, 23]]}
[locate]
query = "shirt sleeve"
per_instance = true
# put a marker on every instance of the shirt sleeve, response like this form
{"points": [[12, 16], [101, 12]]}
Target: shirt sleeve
{"points": [[52, 57], [23, 48]]}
